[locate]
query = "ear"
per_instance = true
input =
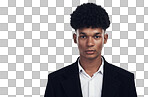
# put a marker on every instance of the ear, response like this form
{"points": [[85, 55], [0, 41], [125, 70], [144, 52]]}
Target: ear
{"points": [[105, 38], [75, 38]]}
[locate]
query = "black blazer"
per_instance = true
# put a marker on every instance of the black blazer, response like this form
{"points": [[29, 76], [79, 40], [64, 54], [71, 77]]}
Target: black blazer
{"points": [[65, 82]]}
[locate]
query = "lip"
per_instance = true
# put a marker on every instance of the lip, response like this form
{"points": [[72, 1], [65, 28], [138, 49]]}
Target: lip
{"points": [[90, 52]]}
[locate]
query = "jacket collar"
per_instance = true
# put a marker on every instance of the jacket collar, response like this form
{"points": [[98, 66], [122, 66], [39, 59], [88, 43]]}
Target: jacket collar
{"points": [[110, 82], [72, 85]]}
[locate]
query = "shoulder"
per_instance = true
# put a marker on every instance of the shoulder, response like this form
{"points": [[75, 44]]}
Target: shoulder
{"points": [[117, 70], [63, 71], [121, 72]]}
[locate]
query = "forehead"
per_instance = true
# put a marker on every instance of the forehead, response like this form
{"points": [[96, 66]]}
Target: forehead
{"points": [[90, 31]]}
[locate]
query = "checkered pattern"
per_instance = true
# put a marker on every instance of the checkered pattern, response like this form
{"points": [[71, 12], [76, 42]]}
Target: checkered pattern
{"points": [[36, 39]]}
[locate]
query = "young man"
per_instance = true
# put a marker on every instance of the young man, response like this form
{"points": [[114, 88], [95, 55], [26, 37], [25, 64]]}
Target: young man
{"points": [[91, 75]]}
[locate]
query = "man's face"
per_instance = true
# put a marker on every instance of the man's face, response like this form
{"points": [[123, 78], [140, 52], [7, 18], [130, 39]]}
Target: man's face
{"points": [[90, 42]]}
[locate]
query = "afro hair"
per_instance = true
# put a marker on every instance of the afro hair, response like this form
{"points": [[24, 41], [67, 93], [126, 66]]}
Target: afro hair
{"points": [[89, 15]]}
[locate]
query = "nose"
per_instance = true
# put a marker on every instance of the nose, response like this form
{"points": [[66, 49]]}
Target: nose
{"points": [[90, 42]]}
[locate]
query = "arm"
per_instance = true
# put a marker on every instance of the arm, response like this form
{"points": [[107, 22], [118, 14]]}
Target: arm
{"points": [[49, 92], [132, 88]]}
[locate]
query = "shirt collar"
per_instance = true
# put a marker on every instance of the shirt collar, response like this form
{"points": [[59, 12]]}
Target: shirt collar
{"points": [[99, 71]]}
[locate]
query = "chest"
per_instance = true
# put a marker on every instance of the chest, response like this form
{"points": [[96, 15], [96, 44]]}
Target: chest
{"points": [[91, 86]]}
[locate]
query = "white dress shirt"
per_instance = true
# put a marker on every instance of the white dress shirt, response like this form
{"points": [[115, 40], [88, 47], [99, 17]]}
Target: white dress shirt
{"points": [[91, 86]]}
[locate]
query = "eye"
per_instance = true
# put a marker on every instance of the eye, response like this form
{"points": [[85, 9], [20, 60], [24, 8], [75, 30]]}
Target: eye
{"points": [[97, 36], [82, 36]]}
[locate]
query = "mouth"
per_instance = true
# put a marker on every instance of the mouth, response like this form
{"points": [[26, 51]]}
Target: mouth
{"points": [[90, 52]]}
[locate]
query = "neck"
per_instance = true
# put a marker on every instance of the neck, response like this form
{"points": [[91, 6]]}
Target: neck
{"points": [[90, 65]]}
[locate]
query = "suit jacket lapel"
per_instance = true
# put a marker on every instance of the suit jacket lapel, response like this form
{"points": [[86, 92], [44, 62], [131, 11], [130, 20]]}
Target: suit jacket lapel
{"points": [[110, 83], [71, 84]]}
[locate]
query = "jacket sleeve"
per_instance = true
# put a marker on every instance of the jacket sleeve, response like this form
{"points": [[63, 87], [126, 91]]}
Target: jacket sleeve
{"points": [[132, 88], [49, 92]]}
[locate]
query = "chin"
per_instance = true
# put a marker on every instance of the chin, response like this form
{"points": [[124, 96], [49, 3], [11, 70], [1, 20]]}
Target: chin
{"points": [[90, 57]]}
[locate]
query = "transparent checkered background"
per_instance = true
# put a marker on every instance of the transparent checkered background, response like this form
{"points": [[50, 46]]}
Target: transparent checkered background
{"points": [[36, 39]]}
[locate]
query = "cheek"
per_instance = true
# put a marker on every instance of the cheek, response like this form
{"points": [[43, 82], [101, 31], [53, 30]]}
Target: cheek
{"points": [[99, 44], [81, 44]]}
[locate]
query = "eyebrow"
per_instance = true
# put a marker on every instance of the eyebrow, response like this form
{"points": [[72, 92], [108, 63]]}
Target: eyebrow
{"points": [[86, 34]]}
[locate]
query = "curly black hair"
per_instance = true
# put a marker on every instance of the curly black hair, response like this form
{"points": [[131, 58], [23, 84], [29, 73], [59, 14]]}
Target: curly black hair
{"points": [[89, 15]]}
